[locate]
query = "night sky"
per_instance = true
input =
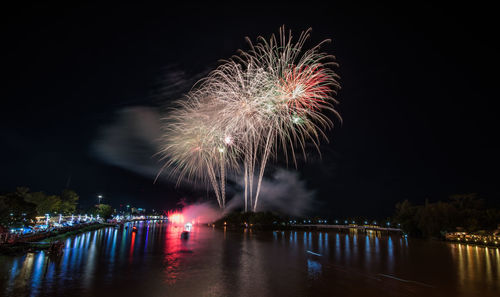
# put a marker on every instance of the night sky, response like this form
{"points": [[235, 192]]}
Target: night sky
{"points": [[419, 85]]}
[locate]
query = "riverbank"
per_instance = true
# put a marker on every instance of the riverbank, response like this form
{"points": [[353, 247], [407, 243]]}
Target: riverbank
{"points": [[44, 241], [267, 221], [486, 240], [312, 263], [65, 235]]}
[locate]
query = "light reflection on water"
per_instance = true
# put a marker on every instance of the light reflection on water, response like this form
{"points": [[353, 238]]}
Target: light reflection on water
{"points": [[156, 261]]}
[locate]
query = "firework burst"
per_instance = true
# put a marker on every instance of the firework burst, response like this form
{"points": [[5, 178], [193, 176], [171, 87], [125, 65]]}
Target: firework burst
{"points": [[273, 97]]}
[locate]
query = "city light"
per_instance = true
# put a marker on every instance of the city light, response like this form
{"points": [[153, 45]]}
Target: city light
{"points": [[255, 124]]}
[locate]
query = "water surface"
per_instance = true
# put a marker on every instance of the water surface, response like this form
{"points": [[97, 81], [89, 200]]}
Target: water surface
{"points": [[155, 261]]}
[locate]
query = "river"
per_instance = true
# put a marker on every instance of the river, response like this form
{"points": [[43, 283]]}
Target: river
{"points": [[155, 261]]}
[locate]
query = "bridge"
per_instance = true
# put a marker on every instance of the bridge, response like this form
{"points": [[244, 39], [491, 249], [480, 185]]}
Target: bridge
{"points": [[362, 228]]}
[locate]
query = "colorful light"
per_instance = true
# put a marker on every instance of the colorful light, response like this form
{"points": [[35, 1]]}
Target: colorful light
{"points": [[274, 96], [175, 217]]}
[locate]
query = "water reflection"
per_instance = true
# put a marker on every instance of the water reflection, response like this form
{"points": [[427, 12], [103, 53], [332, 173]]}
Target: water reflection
{"points": [[172, 253], [217, 263], [90, 258], [313, 269], [131, 249], [477, 267], [390, 255]]}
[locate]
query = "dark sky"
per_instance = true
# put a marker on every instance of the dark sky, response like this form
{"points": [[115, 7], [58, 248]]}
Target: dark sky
{"points": [[419, 85]]}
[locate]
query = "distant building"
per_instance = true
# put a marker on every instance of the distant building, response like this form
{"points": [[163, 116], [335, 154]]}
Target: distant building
{"points": [[137, 210]]}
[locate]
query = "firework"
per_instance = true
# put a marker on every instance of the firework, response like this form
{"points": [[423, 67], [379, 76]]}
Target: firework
{"points": [[273, 97], [175, 217], [195, 149]]}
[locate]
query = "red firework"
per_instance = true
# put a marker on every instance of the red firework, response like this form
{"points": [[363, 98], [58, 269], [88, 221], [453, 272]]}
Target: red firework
{"points": [[306, 87], [175, 217]]}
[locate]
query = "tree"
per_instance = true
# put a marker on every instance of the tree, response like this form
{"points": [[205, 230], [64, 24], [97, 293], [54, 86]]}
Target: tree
{"points": [[104, 210], [45, 204], [4, 211], [435, 219], [21, 206], [15, 211], [467, 201], [406, 217], [69, 201], [22, 192]]}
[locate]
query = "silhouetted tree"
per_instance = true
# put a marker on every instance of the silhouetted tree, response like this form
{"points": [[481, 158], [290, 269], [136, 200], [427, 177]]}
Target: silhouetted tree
{"points": [[45, 204], [104, 210], [69, 201], [15, 211], [435, 219], [406, 217]]}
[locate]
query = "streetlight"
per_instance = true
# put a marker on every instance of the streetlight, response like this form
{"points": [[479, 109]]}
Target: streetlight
{"points": [[99, 197]]}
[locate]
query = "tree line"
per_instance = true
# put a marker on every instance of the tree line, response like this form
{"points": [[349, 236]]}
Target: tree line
{"points": [[20, 207], [463, 212]]}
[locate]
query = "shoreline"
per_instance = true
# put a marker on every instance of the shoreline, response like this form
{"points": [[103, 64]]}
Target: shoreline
{"points": [[88, 228], [489, 245], [319, 228], [45, 242]]}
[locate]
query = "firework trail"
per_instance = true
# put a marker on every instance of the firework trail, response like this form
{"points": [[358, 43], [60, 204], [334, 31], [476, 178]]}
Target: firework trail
{"points": [[193, 148], [273, 96]]}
